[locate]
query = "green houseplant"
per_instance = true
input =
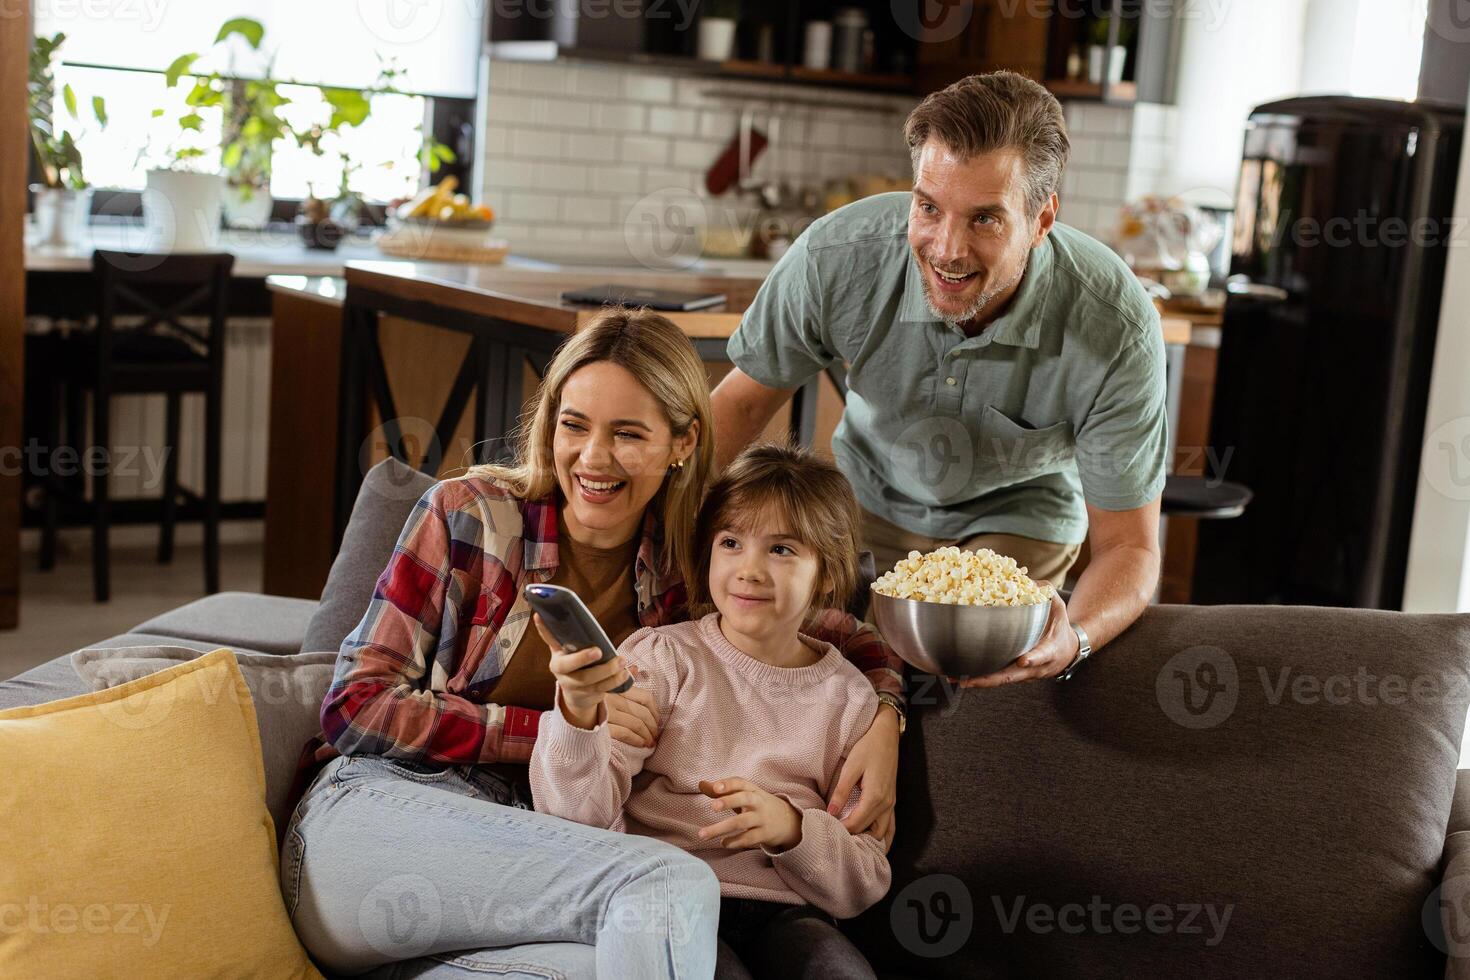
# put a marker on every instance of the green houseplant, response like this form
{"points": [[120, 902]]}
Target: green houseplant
{"points": [[250, 125], [63, 198]]}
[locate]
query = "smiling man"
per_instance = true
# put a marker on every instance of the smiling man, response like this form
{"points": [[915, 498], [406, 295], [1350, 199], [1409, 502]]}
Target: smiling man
{"points": [[1005, 372]]}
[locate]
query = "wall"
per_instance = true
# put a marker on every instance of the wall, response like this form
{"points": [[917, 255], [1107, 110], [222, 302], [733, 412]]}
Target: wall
{"points": [[577, 155], [1439, 545]]}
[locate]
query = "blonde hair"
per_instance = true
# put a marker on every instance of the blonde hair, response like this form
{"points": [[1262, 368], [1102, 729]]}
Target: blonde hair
{"points": [[1001, 110], [804, 491], [660, 356]]}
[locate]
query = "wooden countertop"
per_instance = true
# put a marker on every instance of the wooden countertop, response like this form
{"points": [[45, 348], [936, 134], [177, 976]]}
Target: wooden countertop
{"points": [[534, 297]]}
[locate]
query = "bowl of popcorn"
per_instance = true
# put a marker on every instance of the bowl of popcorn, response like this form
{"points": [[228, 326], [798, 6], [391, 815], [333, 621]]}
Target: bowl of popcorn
{"points": [[960, 613]]}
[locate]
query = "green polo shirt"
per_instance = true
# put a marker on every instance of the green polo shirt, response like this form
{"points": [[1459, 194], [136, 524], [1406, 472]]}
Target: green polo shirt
{"points": [[1057, 402]]}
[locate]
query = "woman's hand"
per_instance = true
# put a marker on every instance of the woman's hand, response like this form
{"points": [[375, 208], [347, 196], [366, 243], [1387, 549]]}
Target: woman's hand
{"points": [[632, 717], [872, 765], [581, 680], [760, 818]]}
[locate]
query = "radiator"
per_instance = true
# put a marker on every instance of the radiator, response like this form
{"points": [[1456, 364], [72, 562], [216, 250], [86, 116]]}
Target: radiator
{"points": [[138, 426]]}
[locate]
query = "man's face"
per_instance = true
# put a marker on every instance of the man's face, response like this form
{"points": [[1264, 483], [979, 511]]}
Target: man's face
{"points": [[970, 230]]}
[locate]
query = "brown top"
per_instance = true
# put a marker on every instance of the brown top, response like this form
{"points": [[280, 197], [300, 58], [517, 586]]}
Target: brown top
{"points": [[603, 578]]}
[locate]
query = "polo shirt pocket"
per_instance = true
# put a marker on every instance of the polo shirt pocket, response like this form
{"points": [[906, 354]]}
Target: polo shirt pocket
{"points": [[1015, 453]]}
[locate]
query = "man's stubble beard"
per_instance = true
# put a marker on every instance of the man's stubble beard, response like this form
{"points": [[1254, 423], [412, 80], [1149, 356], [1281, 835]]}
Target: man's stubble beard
{"points": [[977, 305]]}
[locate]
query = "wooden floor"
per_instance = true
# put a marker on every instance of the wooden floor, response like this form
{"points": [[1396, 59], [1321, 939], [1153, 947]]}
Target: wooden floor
{"points": [[57, 614]]}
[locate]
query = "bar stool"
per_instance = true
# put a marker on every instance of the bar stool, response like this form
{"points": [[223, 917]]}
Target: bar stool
{"points": [[160, 356]]}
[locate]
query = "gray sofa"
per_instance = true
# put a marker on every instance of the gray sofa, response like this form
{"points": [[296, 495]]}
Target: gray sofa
{"points": [[1224, 792]]}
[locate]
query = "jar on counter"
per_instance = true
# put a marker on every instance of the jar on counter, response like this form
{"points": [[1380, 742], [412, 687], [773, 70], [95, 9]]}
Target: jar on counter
{"points": [[848, 26]]}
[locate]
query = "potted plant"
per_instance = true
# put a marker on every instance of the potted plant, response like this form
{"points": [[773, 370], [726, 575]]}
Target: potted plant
{"points": [[184, 200], [717, 29], [323, 221], [1104, 60], [252, 124], [63, 199]]}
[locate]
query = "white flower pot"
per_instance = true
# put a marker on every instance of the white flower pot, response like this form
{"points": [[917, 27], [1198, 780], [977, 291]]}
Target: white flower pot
{"points": [[62, 215], [181, 210], [246, 206], [716, 38]]}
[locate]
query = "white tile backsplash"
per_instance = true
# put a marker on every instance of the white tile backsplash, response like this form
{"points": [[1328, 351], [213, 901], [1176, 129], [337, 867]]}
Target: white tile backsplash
{"points": [[572, 151]]}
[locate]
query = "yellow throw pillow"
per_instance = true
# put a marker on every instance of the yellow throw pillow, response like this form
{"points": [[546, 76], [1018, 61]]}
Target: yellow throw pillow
{"points": [[134, 837]]}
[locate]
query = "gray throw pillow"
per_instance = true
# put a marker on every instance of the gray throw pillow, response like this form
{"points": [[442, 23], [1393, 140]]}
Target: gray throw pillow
{"points": [[287, 692], [383, 505]]}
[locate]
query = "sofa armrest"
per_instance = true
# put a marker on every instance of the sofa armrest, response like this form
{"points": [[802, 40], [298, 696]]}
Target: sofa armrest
{"points": [[1453, 893]]}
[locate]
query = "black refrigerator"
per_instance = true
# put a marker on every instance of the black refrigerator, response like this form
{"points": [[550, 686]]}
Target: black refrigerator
{"points": [[1343, 221]]}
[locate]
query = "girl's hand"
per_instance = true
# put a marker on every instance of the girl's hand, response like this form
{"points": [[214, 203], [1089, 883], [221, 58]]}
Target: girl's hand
{"points": [[632, 717], [581, 679], [873, 765], [760, 818]]}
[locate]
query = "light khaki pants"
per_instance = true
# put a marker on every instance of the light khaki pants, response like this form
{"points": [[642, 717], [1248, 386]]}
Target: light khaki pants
{"points": [[1042, 559]]}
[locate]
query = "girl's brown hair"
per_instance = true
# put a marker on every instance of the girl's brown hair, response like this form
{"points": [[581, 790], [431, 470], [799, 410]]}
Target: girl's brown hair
{"points": [[809, 498], [660, 356]]}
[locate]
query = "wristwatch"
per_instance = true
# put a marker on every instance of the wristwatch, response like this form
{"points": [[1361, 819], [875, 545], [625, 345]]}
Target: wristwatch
{"points": [[897, 703], [1084, 650]]}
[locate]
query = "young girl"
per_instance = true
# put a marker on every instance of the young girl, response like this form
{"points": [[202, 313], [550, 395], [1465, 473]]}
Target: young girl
{"points": [[755, 720]]}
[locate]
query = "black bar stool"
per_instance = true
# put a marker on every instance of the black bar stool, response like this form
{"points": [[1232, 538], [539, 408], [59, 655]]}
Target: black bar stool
{"points": [[160, 356]]}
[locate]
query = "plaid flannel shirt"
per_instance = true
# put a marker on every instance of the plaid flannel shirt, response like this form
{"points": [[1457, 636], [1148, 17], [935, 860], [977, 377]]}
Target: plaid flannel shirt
{"points": [[447, 614]]}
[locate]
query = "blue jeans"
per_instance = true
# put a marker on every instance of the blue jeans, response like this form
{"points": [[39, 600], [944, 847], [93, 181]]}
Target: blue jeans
{"points": [[403, 870]]}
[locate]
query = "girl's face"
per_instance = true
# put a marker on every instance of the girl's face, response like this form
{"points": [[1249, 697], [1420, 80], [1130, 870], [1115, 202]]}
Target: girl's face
{"points": [[762, 581], [612, 446]]}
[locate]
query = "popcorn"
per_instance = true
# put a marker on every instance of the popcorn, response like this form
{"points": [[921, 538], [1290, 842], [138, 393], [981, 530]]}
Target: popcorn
{"points": [[965, 578]]}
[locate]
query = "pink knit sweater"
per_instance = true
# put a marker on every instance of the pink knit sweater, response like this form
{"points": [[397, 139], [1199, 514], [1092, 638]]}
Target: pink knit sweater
{"points": [[724, 714]]}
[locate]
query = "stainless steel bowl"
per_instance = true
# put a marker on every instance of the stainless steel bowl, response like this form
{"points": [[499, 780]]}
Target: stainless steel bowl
{"points": [[958, 641]]}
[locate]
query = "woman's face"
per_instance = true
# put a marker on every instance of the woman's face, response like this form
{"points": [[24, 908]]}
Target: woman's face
{"points": [[612, 447]]}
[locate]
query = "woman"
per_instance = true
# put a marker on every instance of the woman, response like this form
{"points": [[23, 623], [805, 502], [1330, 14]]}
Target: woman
{"points": [[416, 839]]}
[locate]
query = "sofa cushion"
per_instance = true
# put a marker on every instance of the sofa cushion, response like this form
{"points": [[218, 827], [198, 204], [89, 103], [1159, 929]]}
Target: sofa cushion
{"points": [[1290, 768], [133, 823], [274, 624], [388, 494], [287, 692], [57, 679]]}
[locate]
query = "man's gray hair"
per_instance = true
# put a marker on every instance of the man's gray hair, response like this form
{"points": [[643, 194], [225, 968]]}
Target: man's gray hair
{"points": [[998, 111]]}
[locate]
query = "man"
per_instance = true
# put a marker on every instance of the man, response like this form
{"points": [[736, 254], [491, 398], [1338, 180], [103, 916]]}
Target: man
{"points": [[1005, 371]]}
